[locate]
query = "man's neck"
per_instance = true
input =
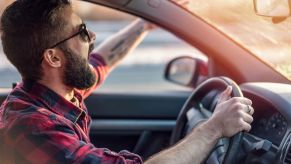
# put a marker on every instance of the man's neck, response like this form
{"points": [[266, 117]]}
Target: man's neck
{"points": [[59, 88]]}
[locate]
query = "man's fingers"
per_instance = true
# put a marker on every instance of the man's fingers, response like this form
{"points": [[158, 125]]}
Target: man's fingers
{"points": [[225, 95], [249, 109], [247, 117], [181, 1], [241, 100], [245, 126], [184, 3]]}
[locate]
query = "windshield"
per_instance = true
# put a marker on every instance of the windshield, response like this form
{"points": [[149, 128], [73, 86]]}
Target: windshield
{"points": [[266, 38]]}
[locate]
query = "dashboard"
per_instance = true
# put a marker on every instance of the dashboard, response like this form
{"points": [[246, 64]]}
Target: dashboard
{"points": [[272, 110], [269, 123]]}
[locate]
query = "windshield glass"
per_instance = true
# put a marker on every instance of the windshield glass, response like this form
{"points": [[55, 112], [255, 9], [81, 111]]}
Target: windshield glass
{"points": [[269, 39]]}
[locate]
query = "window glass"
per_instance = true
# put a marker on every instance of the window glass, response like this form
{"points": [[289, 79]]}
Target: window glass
{"points": [[142, 70]]}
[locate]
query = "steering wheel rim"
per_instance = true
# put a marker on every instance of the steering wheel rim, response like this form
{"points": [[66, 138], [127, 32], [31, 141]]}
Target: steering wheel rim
{"points": [[201, 91]]}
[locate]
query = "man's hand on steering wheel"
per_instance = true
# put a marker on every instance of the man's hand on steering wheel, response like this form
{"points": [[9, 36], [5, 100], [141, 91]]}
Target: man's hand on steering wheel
{"points": [[231, 115], [203, 143]]}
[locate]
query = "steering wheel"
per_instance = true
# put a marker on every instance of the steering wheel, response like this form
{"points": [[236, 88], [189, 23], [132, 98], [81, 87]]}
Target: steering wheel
{"points": [[194, 100]]}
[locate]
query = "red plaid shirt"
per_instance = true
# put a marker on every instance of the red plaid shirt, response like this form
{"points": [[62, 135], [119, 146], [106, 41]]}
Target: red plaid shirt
{"points": [[39, 126]]}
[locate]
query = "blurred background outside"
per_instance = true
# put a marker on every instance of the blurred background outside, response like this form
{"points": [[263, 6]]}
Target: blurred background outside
{"points": [[142, 70]]}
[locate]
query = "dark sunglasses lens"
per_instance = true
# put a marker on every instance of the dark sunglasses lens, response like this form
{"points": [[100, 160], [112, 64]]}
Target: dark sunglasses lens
{"points": [[85, 34]]}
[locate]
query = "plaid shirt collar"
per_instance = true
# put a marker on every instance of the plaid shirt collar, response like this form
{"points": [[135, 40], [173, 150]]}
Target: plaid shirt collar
{"points": [[54, 102]]}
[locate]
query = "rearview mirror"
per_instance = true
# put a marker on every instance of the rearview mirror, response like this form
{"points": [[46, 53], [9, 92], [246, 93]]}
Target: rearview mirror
{"points": [[272, 8], [186, 71]]}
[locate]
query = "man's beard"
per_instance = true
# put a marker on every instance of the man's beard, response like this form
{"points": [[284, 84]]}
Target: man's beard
{"points": [[77, 73]]}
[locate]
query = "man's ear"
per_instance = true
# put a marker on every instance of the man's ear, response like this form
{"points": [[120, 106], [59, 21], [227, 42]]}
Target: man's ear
{"points": [[53, 58]]}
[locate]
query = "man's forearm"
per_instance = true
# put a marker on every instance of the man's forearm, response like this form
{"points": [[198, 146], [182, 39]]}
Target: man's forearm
{"points": [[119, 45], [192, 149]]}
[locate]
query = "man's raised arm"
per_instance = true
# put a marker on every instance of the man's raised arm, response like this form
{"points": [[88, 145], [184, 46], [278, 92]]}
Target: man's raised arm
{"points": [[120, 44]]}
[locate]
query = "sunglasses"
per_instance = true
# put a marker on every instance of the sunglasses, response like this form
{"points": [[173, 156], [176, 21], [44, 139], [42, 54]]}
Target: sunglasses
{"points": [[83, 32]]}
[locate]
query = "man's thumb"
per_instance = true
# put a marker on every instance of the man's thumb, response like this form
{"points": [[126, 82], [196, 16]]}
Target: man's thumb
{"points": [[225, 95]]}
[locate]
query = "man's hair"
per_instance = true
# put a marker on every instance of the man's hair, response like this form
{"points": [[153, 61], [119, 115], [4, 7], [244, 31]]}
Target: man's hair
{"points": [[28, 28]]}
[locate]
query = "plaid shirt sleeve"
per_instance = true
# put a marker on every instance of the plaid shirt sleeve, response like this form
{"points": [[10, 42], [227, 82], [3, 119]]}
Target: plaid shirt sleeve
{"points": [[52, 141], [100, 69]]}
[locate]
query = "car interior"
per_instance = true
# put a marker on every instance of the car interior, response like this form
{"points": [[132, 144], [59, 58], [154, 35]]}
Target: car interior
{"points": [[148, 122]]}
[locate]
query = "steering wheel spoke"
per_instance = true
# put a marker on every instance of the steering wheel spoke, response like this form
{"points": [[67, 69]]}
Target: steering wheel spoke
{"points": [[254, 147]]}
